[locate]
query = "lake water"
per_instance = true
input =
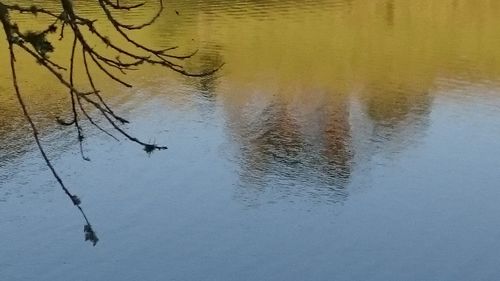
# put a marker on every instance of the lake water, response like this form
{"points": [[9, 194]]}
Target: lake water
{"points": [[342, 140]]}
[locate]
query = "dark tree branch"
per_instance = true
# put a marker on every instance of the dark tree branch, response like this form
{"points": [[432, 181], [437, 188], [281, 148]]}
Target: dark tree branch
{"points": [[89, 232], [36, 45]]}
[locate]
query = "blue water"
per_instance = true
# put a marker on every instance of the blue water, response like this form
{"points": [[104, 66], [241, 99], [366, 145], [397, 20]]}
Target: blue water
{"points": [[266, 189]]}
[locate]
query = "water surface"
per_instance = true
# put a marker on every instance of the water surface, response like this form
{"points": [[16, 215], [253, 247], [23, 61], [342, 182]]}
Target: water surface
{"points": [[342, 140]]}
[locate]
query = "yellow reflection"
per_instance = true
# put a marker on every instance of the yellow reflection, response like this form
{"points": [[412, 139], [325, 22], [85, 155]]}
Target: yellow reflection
{"points": [[389, 52], [334, 44]]}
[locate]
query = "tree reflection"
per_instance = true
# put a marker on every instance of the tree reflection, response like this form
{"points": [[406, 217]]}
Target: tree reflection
{"points": [[293, 150], [312, 148], [389, 12], [398, 116]]}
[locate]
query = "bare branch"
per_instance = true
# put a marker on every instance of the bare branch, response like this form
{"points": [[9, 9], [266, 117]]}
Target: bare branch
{"points": [[36, 44]]}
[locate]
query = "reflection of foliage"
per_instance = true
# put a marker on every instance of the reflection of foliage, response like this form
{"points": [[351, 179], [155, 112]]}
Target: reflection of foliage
{"points": [[37, 45], [278, 146]]}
